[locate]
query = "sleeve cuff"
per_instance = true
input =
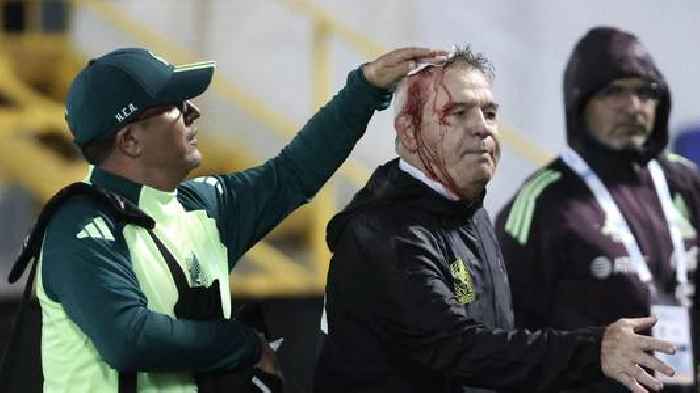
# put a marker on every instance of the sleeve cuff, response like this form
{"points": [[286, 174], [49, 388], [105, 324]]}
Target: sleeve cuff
{"points": [[379, 97], [254, 354], [257, 354], [593, 336]]}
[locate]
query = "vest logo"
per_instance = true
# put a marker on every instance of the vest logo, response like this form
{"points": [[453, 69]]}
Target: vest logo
{"points": [[198, 277], [96, 229], [125, 112], [463, 283]]}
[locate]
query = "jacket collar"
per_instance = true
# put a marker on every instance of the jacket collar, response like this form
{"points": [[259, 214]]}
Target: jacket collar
{"points": [[141, 195]]}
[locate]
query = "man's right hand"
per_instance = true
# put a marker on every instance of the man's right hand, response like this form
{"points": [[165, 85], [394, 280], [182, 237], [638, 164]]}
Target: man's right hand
{"points": [[622, 352], [268, 360], [388, 69]]}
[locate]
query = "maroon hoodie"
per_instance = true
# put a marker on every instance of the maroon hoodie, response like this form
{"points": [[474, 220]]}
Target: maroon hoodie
{"points": [[566, 271]]}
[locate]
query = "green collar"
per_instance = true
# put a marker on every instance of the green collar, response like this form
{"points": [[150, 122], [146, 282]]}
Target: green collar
{"points": [[135, 192]]}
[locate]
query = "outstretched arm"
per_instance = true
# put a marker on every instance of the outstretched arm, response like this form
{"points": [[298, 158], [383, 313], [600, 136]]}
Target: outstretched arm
{"points": [[248, 204], [419, 317]]}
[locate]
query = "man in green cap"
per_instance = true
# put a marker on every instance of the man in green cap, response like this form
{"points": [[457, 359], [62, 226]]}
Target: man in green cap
{"points": [[110, 291]]}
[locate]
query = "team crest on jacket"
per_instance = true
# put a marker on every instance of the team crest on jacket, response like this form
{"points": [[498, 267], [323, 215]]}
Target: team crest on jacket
{"points": [[464, 286]]}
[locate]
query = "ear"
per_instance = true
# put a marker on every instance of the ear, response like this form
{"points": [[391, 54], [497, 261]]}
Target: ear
{"points": [[406, 132], [128, 142]]}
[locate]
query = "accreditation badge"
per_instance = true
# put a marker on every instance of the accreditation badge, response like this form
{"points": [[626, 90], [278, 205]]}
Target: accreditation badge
{"points": [[674, 325]]}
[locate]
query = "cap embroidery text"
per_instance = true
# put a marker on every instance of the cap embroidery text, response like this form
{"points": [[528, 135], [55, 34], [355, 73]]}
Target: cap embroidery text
{"points": [[126, 112]]}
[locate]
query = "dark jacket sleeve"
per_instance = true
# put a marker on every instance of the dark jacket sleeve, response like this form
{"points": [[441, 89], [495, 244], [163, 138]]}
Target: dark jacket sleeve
{"points": [[529, 231], [93, 280], [419, 318], [684, 184], [248, 204]]}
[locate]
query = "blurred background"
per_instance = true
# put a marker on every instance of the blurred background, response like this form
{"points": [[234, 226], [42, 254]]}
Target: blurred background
{"points": [[278, 61]]}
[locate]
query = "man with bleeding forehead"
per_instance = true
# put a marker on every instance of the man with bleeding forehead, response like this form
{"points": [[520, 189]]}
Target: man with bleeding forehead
{"points": [[417, 298], [458, 164]]}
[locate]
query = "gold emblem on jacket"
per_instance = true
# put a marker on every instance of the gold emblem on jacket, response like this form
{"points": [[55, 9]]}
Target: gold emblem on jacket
{"points": [[464, 286]]}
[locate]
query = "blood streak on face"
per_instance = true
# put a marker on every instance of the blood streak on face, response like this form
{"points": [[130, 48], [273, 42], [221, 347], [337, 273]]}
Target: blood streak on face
{"points": [[422, 88]]}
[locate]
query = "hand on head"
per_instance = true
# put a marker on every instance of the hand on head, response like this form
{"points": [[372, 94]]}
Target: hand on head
{"points": [[388, 69]]}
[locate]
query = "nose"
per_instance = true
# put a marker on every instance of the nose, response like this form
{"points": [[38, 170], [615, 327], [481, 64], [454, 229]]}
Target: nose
{"points": [[631, 101], [482, 128], [193, 107], [190, 112]]}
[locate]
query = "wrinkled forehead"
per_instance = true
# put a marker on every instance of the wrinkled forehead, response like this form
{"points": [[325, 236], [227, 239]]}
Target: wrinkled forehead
{"points": [[466, 77], [459, 82], [463, 85]]}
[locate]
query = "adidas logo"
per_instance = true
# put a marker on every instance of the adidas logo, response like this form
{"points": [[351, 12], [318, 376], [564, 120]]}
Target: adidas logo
{"points": [[96, 229]]}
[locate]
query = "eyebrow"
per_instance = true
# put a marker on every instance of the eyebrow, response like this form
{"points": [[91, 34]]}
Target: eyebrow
{"points": [[488, 104]]}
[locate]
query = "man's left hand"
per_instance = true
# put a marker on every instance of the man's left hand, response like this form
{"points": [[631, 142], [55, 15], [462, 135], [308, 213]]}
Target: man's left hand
{"points": [[623, 351]]}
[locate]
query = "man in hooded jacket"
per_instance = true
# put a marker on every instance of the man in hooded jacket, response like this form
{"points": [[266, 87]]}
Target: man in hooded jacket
{"points": [[417, 297], [608, 229]]}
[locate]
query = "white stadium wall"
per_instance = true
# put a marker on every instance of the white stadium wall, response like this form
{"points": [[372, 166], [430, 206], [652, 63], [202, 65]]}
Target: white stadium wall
{"points": [[265, 47]]}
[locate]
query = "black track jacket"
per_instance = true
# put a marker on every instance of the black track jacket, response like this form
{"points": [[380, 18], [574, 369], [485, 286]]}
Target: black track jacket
{"points": [[418, 301]]}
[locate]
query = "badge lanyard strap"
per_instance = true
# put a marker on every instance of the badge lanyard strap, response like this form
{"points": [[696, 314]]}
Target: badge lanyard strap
{"points": [[672, 218], [606, 202]]}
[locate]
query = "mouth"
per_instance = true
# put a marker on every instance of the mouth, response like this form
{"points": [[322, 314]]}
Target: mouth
{"points": [[632, 127], [479, 152], [632, 130]]}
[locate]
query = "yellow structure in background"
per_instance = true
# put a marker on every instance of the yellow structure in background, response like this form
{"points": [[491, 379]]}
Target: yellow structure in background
{"points": [[36, 67], [325, 27]]}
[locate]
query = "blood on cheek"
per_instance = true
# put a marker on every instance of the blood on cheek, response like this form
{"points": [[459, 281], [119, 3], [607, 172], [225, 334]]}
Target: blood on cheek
{"points": [[425, 87]]}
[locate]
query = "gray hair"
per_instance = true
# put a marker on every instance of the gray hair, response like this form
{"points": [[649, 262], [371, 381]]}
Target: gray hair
{"points": [[459, 54]]}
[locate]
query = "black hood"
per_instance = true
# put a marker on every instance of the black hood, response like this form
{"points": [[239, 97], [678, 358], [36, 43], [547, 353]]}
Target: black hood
{"points": [[390, 186], [601, 56]]}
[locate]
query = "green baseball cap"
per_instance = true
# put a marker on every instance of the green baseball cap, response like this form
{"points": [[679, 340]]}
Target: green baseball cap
{"points": [[115, 88]]}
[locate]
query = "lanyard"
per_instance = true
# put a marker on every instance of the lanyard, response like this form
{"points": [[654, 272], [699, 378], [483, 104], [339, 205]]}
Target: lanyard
{"points": [[622, 229]]}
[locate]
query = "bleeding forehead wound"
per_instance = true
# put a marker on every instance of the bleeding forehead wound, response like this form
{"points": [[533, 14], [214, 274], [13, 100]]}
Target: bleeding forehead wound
{"points": [[420, 88], [416, 96]]}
